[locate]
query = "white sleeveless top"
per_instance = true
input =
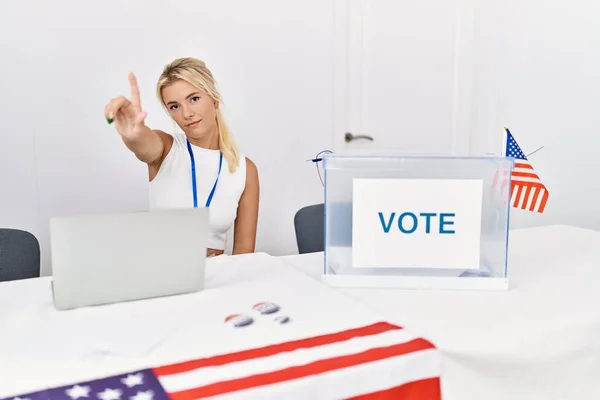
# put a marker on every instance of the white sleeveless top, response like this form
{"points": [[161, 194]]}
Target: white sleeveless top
{"points": [[172, 186]]}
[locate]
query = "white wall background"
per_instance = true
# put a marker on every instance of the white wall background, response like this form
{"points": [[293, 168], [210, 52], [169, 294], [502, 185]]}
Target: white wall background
{"points": [[63, 60], [538, 72], [536, 69]]}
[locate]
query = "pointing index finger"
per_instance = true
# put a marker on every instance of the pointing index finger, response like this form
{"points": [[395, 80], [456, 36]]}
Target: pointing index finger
{"points": [[135, 91]]}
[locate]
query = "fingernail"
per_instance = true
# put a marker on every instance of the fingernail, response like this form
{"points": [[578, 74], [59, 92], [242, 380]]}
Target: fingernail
{"points": [[109, 120]]}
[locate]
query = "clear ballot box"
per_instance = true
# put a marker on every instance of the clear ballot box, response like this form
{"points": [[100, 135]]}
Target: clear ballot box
{"points": [[425, 222]]}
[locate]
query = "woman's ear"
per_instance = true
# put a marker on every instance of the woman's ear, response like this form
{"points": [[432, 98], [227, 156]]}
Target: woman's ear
{"points": [[216, 105]]}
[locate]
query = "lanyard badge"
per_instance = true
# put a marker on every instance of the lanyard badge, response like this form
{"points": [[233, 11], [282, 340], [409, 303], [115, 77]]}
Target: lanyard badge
{"points": [[212, 192]]}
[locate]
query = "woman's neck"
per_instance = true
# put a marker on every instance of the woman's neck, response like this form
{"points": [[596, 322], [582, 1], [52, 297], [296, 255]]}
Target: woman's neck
{"points": [[210, 142]]}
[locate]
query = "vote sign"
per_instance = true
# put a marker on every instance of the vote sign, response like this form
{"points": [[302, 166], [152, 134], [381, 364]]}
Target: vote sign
{"points": [[416, 223]]}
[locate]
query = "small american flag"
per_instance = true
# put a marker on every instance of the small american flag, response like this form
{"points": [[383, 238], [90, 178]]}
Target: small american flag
{"points": [[378, 361], [527, 190]]}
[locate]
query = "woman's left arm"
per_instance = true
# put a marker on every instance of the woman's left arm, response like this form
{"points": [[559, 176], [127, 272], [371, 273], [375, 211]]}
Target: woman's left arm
{"points": [[244, 231]]}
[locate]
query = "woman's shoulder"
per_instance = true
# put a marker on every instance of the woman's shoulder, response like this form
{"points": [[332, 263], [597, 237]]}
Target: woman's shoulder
{"points": [[250, 169], [245, 165], [163, 134], [248, 164], [178, 138], [171, 140]]}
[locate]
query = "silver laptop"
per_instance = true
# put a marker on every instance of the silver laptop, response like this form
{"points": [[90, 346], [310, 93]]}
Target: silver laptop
{"points": [[110, 258]]}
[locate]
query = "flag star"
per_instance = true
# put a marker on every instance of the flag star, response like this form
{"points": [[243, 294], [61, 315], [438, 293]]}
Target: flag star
{"points": [[78, 391], [147, 395], [110, 394], [133, 380]]}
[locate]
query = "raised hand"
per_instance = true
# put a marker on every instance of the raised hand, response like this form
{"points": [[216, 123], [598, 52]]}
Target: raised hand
{"points": [[126, 113]]}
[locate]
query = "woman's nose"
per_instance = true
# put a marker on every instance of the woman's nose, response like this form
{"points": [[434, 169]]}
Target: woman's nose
{"points": [[187, 112]]}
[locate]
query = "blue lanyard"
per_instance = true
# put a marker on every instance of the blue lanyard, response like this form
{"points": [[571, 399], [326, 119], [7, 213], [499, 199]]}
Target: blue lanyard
{"points": [[212, 192]]}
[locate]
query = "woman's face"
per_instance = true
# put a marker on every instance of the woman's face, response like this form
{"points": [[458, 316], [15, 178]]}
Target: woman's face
{"points": [[191, 108]]}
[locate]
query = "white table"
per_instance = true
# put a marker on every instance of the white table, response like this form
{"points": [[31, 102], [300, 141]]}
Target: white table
{"points": [[539, 340], [42, 348]]}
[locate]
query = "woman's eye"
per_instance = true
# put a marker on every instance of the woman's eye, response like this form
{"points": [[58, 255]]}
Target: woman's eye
{"points": [[173, 108], [195, 98]]}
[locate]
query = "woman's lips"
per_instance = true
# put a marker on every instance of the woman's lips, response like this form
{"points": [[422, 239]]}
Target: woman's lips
{"points": [[193, 123]]}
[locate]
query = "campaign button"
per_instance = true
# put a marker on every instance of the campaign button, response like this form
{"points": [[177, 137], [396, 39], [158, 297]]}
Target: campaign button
{"points": [[282, 320], [238, 320], [266, 308]]}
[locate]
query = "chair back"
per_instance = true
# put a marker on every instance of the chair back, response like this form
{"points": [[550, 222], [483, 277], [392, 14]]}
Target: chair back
{"points": [[309, 225], [19, 255]]}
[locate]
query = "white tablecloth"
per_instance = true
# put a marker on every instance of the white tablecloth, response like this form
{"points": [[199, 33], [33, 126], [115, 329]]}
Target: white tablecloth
{"points": [[42, 348], [539, 340]]}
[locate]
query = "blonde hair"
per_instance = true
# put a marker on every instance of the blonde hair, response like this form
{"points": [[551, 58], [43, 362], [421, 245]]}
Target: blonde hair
{"points": [[195, 72]]}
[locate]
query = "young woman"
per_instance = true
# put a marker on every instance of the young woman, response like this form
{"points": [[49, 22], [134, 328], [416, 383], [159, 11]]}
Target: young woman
{"points": [[200, 168]]}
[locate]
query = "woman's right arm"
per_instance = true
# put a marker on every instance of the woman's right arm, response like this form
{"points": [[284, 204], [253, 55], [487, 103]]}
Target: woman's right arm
{"points": [[148, 145]]}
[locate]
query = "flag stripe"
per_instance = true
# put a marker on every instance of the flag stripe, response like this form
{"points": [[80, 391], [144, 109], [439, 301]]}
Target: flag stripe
{"points": [[544, 199], [425, 389], [526, 179], [529, 196], [524, 165], [315, 368], [527, 190], [526, 184], [534, 200], [532, 175], [240, 369], [526, 196], [274, 349], [516, 193], [347, 382], [524, 172]]}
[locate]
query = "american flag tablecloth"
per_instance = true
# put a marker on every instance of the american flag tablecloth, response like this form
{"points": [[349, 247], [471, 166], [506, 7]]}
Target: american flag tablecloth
{"points": [[331, 348], [377, 361]]}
